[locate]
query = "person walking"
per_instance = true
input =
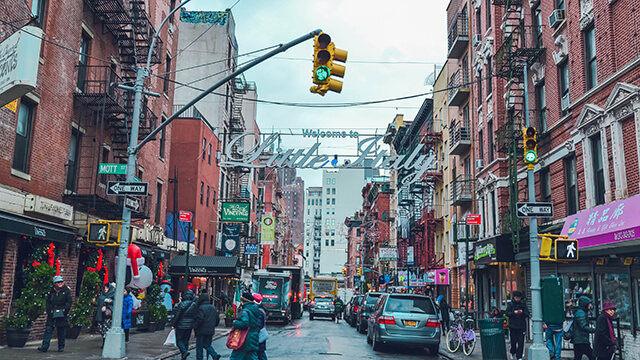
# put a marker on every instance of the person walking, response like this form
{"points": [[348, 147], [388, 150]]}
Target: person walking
{"points": [[553, 336], [183, 321], [262, 322], [580, 340], [604, 345], [104, 309], [518, 313], [58, 304], [127, 308], [444, 312], [205, 327], [247, 319]]}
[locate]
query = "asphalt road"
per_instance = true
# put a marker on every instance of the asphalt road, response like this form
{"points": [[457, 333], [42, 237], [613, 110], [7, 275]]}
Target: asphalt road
{"points": [[320, 338]]}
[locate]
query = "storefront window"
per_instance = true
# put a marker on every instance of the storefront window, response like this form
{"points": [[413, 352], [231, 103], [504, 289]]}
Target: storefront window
{"points": [[615, 288], [579, 284]]}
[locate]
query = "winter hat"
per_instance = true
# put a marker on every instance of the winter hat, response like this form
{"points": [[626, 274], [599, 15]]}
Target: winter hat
{"points": [[257, 298], [608, 305], [57, 278], [517, 293], [247, 297]]}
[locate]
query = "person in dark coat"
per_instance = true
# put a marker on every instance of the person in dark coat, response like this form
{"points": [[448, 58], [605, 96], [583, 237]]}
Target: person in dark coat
{"points": [[104, 311], [444, 312], [248, 318], [582, 329], [127, 308], [183, 321], [518, 313], [205, 327], [58, 305], [604, 344], [262, 322]]}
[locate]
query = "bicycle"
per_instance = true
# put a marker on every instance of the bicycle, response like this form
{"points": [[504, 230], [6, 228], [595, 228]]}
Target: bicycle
{"points": [[459, 336]]}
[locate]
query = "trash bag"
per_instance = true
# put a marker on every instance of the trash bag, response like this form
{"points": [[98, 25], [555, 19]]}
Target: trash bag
{"points": [[171, 338]]}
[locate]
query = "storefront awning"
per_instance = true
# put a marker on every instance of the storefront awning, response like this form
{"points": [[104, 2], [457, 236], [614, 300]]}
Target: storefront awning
{"points": [[606, 224], [155, 252], [206, 265], [27, 226]]}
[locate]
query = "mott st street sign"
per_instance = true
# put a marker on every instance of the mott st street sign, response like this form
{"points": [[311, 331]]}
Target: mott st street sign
{"points": [[526, 209], [117, 169], [127, 188]]}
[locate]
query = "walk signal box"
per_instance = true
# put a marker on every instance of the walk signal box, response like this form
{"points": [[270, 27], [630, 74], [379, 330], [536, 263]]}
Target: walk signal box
{"points": [[552, 301]]}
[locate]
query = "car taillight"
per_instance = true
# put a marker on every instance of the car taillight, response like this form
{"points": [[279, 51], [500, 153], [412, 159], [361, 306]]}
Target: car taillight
{"points": [[312, 303], [387, 320], [356, 309], [434, 323]]}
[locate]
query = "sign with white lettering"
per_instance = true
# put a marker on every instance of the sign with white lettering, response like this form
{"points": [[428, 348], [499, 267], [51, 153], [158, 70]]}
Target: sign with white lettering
{"points": [[19, 56], [388, 254], [132, 203], [122, 188], [251, 249], [534, 209], [235, 212], [118, 169], [42, 205]]}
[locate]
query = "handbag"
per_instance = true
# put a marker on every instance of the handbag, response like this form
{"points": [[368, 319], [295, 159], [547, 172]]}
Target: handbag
{"points": [[263, 335], [107, 312], [236, 338], [58, 313]]}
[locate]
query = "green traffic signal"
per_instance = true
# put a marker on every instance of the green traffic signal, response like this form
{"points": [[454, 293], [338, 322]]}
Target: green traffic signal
{"points": [[323, 73], [530, 156]]}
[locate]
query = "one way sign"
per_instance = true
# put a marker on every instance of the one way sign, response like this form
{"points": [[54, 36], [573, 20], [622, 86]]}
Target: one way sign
{"points": [[132, 203], [534, 209], [127, 188]]}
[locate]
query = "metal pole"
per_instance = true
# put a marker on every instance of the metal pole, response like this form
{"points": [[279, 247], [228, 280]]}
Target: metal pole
{"points": [[466, 273], [186, 263], [538, 350], [175, 208]]}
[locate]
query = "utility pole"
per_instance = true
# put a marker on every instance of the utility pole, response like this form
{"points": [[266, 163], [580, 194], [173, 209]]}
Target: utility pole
{"points": [[114, 346], [186, 261], [538, 350]]}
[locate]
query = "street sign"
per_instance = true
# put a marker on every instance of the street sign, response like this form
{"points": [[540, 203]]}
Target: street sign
{"points": [[117, 169], [185, 216], [526, 209], [131, 203], [567, 249], [474, 219], [98, 233], [121, 188]]}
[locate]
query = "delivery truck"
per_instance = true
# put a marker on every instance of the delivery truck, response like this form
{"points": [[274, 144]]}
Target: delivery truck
{"points": [[275, 288], [323, 287], [296, 296]]}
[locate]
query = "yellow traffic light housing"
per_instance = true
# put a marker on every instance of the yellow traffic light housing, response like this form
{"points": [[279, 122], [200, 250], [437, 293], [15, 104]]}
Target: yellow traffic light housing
{"points": [[558, 248], [325, 55], [359, 271], [545, 247], [529, 137]]}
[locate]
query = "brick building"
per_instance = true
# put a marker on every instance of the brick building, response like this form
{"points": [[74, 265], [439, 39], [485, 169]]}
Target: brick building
{"points": [[293, 195], [354, 251]]}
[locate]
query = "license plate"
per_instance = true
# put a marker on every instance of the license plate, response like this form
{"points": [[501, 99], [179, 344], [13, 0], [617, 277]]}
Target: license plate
{"points": [[410, 323]]}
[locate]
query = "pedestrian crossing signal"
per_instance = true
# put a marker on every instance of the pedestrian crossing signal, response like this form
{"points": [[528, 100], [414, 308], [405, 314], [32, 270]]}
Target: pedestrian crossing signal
{"points": [[558, 248], [98, 233], [567, 249]]}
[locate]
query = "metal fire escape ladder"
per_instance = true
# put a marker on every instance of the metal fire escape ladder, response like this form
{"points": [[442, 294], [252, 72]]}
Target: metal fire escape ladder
{"points": [[239, 187]]}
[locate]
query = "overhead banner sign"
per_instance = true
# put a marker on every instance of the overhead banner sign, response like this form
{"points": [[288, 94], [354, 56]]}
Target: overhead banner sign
{"points": [[260, 156], [235, 212], [267, 230], [230, 237], [410, 255], [19, 59], [388, 254]]}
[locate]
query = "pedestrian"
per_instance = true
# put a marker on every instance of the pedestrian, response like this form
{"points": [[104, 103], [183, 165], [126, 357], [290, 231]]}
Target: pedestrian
{"points": [[58, 303], [580, 340], [127, 308], [183, 321], [604, 345], [206, 321], [518, 313], [262, 322], [444, 312], [553, 336], [104, 309], [247, 319]]}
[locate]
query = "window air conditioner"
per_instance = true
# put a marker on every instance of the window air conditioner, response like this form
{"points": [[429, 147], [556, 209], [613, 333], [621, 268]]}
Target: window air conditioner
{"points": [[477, 39], [565, 102], [479, 164], [557, 17]]}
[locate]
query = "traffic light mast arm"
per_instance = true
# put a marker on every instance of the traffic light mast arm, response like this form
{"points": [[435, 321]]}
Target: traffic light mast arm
{"points": [[276, 51]]}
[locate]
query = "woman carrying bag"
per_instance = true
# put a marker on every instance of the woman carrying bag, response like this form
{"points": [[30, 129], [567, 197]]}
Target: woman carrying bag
{"points": [[104, 309], [247, 320]]}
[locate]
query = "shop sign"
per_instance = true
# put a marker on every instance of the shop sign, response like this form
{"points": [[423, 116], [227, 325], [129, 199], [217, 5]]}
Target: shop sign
{"points": [[251, 249], [388, 254], [484, 251], [267, 229], [442, 277], [42, 205], [19, 57], [430, 277], [235, 212], [410, 258], [230, 237]]}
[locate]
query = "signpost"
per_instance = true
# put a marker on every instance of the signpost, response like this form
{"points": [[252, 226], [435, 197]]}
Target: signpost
{"points": [[120, 188], [132, 203], [186, 217], [530, 209], [116, 169]]}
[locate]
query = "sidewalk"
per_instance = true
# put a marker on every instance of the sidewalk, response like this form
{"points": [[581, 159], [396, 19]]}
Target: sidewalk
{"points": [[477, 352], [142, 345]]}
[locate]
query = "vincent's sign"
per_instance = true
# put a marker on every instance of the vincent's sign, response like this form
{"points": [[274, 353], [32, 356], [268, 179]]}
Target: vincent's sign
{"points": [[369, 148]]}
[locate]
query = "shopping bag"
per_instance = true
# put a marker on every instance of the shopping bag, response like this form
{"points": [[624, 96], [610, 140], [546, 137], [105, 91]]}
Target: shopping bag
{"points": [[236, 338], [263, 335], [171, 338]]}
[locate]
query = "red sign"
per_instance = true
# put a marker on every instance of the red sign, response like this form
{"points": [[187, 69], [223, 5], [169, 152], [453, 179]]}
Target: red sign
{"points": [[474, 219], [185, 216]]}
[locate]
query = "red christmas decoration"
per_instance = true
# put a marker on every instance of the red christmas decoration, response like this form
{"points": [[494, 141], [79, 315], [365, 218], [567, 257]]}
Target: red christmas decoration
{"points": [[160, 273], [106, 275], [35, 263], [99, 264], [91, 269], [51, 255], [57, 267]]}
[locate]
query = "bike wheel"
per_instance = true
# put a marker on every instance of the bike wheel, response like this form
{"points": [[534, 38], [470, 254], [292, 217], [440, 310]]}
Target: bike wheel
{"points": [[453, 340], [469, 345]]}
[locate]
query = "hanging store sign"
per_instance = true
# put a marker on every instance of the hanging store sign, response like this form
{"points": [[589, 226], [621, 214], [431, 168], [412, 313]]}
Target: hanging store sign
{"points": [[267, 230], [230, 237], [442, 277], [416, 163], [19, 56], [388, 254], [42, 205], [251, 249], [410, 259], [235, 212]]}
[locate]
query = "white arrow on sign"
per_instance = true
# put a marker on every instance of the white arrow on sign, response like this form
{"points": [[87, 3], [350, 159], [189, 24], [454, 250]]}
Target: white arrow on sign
{"points": [[533, 209], [116, 188], [132, 204]]}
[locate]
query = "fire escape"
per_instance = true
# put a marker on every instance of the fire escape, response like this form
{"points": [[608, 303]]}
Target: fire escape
{"points": [[429, 219], [105, 110], [239, 176], [521, 46]]}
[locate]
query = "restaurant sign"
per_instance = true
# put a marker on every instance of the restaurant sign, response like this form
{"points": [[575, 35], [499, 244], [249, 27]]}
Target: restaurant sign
{"points": [[19, 59]]}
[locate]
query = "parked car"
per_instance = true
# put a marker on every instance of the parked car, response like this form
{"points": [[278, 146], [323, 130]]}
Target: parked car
{"points": [[405, 319], [322, 307], [351, 309], [364, 310]]}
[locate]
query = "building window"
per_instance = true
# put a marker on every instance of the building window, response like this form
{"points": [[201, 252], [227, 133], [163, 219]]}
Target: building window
{"points": [[488, 10], [208, 190], [333, 191], [38, 8], [204, 243], [572, 185], [480, 145], [327, 211], [479, 22], [545, 184], [333, 242], [167, 74], [590, 57], [480, 100], [333, 221], [172, 5], [211, 242], [163, 139], [537, 26], [541, 107], [72, 161], [204, 147], [308, 222], [209, 155], [328, 191], [333, 181], [358, 260], [358, 233], [333, 201], [563, 74], [490, 139], [598, 169], [489, 75], [328, 181], [333, 211], [327, 222], [83, 61], [201, 192], [23, 135], [560, 4], [492, 209], [158, 203]]}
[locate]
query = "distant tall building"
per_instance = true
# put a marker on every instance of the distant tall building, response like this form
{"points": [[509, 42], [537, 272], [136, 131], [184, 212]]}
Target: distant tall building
{"points": [[312, 231], [286, 176], [293, 195]]}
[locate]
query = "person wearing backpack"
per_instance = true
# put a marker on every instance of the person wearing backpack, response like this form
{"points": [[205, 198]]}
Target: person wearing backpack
{"points": [[518, 313], [205, 327], [183, 320], [582, 329], [553, 335]]}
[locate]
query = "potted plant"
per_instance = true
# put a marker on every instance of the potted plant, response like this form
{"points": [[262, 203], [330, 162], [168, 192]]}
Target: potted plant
{"points": [[229, 316], [159, 316], [152, 299], [81, 311]]}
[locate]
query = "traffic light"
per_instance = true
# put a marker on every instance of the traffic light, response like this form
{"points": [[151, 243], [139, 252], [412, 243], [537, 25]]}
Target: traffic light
{"points": [[344, 271], [567, 249], [359, 271], [529, 136], [325, 55], [545, 246]]}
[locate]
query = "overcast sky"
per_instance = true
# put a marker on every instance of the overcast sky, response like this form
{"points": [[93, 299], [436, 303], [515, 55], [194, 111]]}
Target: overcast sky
{"points": [[404, 39]]}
